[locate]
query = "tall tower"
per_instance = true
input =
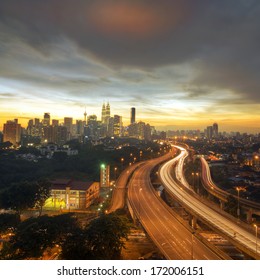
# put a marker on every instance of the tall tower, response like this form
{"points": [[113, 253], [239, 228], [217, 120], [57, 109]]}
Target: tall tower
{"points": [[132, 115], [103, 113], [85, 116], [108, 110]]}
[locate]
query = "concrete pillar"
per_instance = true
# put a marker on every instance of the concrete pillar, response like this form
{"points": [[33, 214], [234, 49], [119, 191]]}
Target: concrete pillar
{"points": [[194, 222], [222, 204], [249, 216]]}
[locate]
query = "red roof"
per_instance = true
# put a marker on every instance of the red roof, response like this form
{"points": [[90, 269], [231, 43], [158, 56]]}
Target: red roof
{"points": [[62, 184]]}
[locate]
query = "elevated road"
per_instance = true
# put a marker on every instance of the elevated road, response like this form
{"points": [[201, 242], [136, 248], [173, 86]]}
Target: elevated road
{"points": [[212, 188], [173, 238], [244, 239], [119, 192]]}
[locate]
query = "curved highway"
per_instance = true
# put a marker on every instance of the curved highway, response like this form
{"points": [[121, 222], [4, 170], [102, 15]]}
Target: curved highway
{"points": [[218, 192], [188, 198], [119, 192], [173, 239]]}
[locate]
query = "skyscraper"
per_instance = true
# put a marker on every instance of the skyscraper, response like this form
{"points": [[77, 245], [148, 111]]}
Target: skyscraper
{"points": [[117, 129], [132, 115], [12, 132], [107, 113], [209, 132], [46, 119], [215, 130], [68, 123], [103, 113]]}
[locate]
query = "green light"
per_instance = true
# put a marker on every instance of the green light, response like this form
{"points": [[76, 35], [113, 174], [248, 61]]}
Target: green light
{"points": [[103, 166]]}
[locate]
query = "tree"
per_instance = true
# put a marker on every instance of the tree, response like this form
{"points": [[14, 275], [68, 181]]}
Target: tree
{"points": [[102, 239], [34, 235], [18, 197], [8, 221], [42, 193], [21, 196]]}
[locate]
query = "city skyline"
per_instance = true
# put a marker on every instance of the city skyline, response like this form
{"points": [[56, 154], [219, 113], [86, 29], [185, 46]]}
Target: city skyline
{"points": [[181, 65]]}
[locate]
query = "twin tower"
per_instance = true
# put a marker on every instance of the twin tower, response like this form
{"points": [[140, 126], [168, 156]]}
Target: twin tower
{"points": [[105, 115]]}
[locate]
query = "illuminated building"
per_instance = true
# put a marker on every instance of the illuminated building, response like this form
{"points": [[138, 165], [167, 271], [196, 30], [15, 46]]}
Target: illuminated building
{"points": [[69, 194], [104, 175], [46, 119], [12, 132], [117, 126]]}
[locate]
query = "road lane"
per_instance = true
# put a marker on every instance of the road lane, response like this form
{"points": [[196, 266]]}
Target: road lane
{"points": [[168, 233], [210, 216]]}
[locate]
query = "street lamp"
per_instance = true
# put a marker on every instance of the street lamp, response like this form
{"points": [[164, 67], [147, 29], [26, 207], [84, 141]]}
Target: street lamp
{"points": [[238, 199], [192, 244], [197, 185], [122, 162], [139, 210], [256, 231], [115, 169]]}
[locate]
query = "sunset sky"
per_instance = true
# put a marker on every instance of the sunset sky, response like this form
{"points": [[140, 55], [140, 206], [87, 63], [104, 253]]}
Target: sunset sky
{"points": [[183, 64]]}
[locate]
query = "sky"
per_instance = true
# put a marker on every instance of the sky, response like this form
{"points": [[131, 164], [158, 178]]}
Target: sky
{"points": [[183, 64]]}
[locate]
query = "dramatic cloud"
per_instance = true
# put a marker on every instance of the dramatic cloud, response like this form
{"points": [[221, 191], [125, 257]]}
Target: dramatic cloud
{"points": [[193, 56]]}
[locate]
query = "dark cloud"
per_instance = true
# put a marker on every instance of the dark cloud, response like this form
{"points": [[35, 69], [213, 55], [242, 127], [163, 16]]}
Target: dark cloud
{"points": [[219, 39]]}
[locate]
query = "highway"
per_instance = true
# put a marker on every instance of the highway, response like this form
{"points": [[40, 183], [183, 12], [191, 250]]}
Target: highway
{"points": [[218, 192], [173, 238], [188, 198], [119, 192]]}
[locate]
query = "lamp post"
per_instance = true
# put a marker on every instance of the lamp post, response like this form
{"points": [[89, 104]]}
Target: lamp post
{"points": [[193, 179], [238, 200], [197, 185], [256, 232], [115, 169], [122, 162], [139, 210], [192, 244]]}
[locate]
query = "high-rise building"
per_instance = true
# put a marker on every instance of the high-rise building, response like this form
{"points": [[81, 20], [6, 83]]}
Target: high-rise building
{"points": [[117, 125], [12, 132], [209, 132], [46, 119], [103, 113], [147, 132], [104, 175], [37, 122], [79, 127], [68, 124], [132, 118], [110, 127], [91, 129], [215, 130], [55, 122]]}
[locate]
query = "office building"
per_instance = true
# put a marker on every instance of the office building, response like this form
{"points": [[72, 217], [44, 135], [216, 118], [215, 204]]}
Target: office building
{"points": [[104, 175], [132, 118], [46, 119], [12, 132], [215, 130]]}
